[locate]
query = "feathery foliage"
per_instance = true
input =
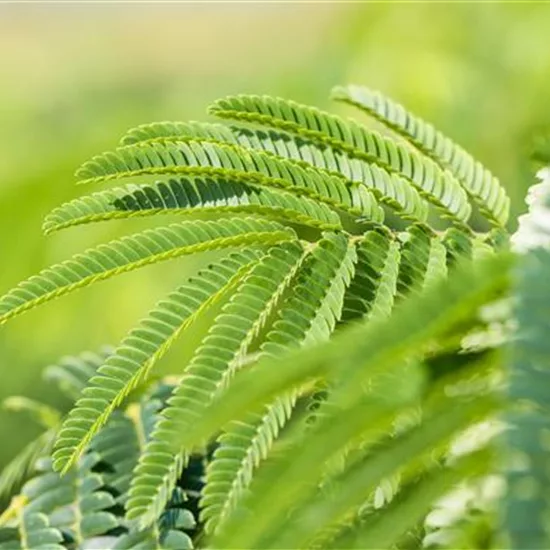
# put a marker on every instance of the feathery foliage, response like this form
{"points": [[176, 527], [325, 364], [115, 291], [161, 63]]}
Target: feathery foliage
{"points": [[345, 359], [479, 183], [129, 364]]}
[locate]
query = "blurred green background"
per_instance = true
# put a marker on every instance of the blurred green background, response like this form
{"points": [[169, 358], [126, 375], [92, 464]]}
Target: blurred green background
{"points": [[75, 77]]}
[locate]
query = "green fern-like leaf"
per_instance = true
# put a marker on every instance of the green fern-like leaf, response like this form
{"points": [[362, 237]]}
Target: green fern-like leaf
{"points": [[168, 533], [309, 316], [122, 440], [169, 130], [209, 372], [120, 444], [131, 362], [280, 432], [191, 198], [372, 289], [206, 158], [76, 504], [480, 184], [436, 185], [423, 260], [370, 344], [32, 533], [388, 188], [461, 245], [136, 251]]}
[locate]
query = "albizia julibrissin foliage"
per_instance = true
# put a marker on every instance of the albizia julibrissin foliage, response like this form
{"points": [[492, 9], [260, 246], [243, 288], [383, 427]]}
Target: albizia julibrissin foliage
{"points": [[345, 358]]}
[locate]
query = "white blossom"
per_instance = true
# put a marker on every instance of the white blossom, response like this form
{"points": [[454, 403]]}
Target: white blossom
{"points": [[534, 227]]}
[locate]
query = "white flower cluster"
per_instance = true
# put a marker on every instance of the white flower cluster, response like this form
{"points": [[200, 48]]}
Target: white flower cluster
{"points": [[443, 523], [534, 227]]}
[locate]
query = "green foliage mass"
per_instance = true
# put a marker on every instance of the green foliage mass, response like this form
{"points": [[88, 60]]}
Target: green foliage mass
{"points": [[447, 62], [345, 354]]}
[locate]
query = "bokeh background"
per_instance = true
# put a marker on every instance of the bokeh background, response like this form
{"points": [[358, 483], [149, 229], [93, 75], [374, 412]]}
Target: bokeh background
{"points": [[74, 77]]}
